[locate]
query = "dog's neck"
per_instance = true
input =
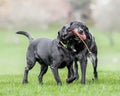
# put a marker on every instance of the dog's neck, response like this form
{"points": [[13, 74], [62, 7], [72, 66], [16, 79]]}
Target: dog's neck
{"points": [[71, 49], [64, 45]]}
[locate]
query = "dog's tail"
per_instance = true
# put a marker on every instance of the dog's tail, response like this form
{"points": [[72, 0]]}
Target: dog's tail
{"points": [[26, 34]]}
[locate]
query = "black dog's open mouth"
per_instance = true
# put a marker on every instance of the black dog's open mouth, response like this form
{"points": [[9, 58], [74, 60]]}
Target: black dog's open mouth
{"points": [[81, 36]]}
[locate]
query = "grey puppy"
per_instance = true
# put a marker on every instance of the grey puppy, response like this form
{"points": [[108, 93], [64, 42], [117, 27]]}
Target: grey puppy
{"points": [[48, 53]]}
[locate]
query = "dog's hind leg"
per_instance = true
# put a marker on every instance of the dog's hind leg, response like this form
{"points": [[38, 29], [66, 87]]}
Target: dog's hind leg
{"points": [[71, 76], [95, 68], [44, 69], [76, 70], [54, 68], [70, 70], [30, 65], [83, 65], [94, 61]]}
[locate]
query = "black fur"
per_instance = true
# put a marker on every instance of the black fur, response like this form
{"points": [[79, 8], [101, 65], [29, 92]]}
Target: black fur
{"points": [[80, 51], [48, 53]]}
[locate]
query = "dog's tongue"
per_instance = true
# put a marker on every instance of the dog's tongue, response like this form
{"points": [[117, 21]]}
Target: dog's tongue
{"points": [[81, 36]]}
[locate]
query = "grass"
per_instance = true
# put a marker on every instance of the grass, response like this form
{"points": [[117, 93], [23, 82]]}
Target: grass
{"points": [[107, 85], [12, 62]]}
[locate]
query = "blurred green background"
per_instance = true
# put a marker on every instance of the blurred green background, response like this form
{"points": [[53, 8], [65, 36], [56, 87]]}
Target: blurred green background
{"points": [[44, 18], [13, 49]]}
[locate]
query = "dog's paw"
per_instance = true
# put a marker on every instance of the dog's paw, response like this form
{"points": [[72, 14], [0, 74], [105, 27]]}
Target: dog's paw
{"points": [[24, 82], [41, 83], [59, 84], [70, 80]]}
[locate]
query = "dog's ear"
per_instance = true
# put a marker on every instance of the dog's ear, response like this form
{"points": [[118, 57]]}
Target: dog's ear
{"points": [[58, 35], [71, 23], [71, 26], [61, 32], [86, 30]]}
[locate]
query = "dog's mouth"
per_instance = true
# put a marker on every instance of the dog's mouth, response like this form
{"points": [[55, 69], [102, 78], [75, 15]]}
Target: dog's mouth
{"points": [[77, 31], [80, 35], [73, 34]]}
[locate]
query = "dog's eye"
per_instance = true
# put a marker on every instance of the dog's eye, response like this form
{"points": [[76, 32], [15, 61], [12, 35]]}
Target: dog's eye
{"points": [[68, 29], [71, 23], [63, 27]]}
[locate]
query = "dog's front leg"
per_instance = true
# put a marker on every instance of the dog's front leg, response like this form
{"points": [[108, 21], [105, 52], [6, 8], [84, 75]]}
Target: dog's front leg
{"points": [[94, 61], [83, 65], [76, 70], [54, 69], [71, 76]]}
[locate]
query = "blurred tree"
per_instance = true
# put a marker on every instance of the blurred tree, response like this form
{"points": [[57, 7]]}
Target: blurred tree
{"points": [[34, 13], [81, 9], [106, 16]]}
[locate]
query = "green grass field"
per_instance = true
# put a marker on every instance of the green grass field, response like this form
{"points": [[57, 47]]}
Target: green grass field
{"points": [[12, 62]]}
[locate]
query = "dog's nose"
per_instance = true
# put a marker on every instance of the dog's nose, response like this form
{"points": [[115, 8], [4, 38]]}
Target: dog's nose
{"points": [[81, 31]]}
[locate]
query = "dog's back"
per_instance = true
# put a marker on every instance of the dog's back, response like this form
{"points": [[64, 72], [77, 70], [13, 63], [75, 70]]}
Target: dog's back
{"points": [[38, 49], [41, 48]]}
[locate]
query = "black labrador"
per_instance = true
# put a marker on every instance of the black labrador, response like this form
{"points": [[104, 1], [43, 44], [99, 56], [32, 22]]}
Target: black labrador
{"points": [[48, 52], [79, 50]]}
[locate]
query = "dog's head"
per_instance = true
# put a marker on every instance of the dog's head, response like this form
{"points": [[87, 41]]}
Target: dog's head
{"points": [[64, 34], [69, 38], [83, 39], [81, 28], [67, 33], [74, 31]]}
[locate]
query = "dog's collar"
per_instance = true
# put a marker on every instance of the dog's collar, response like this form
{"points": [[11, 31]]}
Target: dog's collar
{"points": [[64, 45]]}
